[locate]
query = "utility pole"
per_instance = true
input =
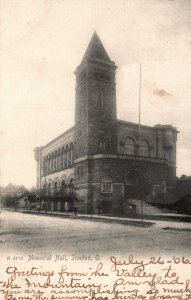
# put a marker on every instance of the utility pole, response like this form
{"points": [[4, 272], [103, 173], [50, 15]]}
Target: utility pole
{"points": [[139, 132]]}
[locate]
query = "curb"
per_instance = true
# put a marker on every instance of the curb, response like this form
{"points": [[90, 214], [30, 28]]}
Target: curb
{"points": [[113, 220]]}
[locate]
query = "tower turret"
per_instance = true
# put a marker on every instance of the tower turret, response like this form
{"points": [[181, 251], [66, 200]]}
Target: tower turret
{"points": [[95, 107]]}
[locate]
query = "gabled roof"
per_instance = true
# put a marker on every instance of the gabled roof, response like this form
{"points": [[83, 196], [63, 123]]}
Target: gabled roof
{"points": [[96, 49]]}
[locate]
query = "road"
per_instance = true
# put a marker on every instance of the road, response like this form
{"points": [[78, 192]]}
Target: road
{"points": [[26, 233]]}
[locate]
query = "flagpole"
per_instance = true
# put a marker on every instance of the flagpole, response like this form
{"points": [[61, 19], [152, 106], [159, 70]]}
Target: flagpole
{"points": [[139, 130], [140, 100]]}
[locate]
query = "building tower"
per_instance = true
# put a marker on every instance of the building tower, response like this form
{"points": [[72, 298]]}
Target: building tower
{"points": [[95, 114]]}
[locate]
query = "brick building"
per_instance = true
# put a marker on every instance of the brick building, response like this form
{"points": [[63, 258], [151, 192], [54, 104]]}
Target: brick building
{"points": [[109, 161]]}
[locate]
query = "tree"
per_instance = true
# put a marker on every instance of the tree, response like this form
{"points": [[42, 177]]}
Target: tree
{"points": [[10, 193]]}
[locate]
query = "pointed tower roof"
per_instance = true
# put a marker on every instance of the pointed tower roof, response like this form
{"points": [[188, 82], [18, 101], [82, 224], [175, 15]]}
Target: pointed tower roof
{"points": [[96, 49]]}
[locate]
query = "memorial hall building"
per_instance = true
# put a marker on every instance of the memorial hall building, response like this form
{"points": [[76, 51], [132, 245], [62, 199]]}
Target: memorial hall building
{"points": [[111, 164]]}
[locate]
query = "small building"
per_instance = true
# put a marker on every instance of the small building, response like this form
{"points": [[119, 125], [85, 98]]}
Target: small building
{"points": [[23, 202]]}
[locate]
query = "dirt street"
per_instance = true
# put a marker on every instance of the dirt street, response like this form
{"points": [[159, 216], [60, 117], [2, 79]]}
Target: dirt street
{"points": [[25, 233]]}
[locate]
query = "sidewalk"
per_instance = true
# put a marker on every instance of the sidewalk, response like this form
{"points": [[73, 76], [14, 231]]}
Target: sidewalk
{"points": [[98, 218], [163, 220]]}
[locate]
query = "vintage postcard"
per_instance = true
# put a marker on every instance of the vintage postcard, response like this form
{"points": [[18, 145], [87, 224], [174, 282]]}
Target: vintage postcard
{"points": [[95, 183]]}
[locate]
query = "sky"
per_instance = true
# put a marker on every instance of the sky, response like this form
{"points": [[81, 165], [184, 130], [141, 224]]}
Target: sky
{"points": [[43, 41]]}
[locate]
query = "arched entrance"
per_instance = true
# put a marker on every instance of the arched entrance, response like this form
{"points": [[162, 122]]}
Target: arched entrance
{"points": [[55, 204], [70, 192], [137, 184], [63, 193]]}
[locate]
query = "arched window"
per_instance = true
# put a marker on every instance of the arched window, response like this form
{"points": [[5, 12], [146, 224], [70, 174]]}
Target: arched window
{"points": [[63, 187], [63, 158], [106, 185], [67, 156], [56, 187], [44, 189], [50, 164], [57, 161], [129, 147], [63, 184], [71, 154], [144, 148], [71, 185], [59, 164], [54, 162], [49, 188], [44, 166]]}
